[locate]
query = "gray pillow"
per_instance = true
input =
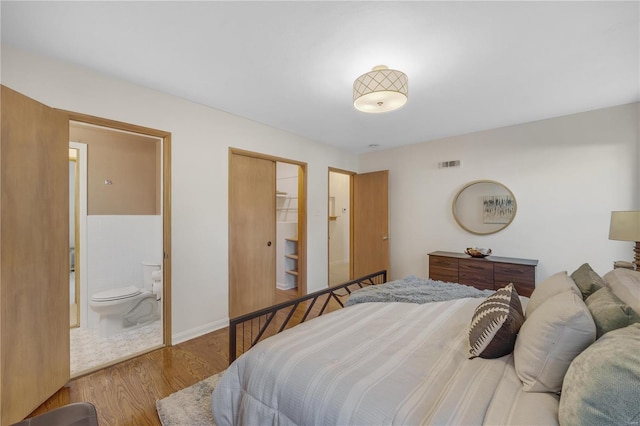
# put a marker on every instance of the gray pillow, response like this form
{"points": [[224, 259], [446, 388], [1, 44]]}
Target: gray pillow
{"points": [[609, 312], [625, 284], [602, 384], [587, 280]]}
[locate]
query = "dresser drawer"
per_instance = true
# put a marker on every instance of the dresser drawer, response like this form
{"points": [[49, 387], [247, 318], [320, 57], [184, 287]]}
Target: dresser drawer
{"points": [[443, 269], [476, 273], [523, 277], [514, 273]]}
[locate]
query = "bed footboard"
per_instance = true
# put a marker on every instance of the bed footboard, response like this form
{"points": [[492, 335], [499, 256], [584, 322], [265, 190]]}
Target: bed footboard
{"points": [[247, 330]]}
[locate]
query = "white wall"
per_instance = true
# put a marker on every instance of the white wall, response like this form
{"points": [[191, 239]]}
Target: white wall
{"points": [[584, 166], [566, 173], [116, 247], [201, 137]]}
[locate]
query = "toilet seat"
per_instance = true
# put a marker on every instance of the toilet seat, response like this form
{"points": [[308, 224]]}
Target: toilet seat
{"points": [[116, 294]]}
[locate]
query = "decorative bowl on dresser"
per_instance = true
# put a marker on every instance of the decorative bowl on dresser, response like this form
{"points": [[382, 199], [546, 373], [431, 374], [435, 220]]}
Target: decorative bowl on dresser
{"points": [[478, 252], [488, 273]]}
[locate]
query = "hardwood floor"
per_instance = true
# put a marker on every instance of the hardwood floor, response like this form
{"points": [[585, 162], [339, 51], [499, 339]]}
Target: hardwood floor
{"points": [[126, 393]]}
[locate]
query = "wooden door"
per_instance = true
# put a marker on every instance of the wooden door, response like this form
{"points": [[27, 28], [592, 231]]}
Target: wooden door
{"points": [[34, 254], [252, 234], [370, 223]]}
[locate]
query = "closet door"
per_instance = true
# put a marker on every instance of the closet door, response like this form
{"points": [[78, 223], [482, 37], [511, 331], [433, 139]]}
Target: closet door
{"points": [[252, 234], [34, 254]]}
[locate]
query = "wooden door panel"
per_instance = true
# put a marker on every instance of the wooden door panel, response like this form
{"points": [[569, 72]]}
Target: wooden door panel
{"points": [[252, 234], [34, 254], [370, 223]]}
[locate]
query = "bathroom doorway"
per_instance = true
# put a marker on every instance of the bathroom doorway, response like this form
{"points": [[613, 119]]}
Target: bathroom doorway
{"points": [[120, 227]]}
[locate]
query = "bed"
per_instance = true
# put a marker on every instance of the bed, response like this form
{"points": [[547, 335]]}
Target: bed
{"points": [[389, 362]]}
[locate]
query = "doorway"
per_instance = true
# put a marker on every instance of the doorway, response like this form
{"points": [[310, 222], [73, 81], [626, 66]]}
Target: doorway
{"points": [[36, 243], [77, 227], [358, 224], [339, 226], [267, 230], [287, 182], [119, 230]]}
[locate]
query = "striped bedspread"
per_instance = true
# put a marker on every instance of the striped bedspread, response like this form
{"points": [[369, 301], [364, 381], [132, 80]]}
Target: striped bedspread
{"points": [[374, 364]]}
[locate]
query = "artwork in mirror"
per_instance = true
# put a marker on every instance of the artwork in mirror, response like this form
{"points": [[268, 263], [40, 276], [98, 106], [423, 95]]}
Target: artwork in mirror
{"points": [[484, 207]]}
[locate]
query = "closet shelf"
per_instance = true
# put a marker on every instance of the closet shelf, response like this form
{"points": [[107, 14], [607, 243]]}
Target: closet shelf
{"points": [[295, 240], [291, 256], [292, 273]]}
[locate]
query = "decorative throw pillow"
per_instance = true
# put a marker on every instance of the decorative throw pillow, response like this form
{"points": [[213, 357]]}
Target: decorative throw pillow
{"points": [[555, 284], [587, 280], [602, 385], [550, 339], [609, 312], [495, 324], [625, 284]]}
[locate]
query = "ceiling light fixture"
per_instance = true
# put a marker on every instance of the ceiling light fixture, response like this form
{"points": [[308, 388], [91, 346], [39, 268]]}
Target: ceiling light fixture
{"points": [[380, 90]]}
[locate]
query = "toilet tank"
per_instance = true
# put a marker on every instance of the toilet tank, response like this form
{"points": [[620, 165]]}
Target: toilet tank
{"points": [[147, 269]]}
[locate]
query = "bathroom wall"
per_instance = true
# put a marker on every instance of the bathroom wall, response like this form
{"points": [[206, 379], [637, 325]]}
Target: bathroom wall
{"points": [[117, 246], [124, 170], [287, 226]]}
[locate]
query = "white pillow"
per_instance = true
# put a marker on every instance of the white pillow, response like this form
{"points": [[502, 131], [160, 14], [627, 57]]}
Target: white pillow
{"points": [[555, 284], [550, 339]]}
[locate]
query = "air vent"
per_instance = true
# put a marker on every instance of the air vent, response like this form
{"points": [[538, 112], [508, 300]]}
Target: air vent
{"points": [[454, 163]]}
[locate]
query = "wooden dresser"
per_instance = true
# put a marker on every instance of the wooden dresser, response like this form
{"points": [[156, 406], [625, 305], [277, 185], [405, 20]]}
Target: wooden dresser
{"points": [[490, 272]]}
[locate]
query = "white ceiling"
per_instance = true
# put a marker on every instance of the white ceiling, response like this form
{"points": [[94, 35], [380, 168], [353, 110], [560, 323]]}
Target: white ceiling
{"points": [[471, 65]]}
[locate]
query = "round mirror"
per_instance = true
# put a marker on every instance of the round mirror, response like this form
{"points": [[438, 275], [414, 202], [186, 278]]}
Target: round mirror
{"points": [[484, 207]]}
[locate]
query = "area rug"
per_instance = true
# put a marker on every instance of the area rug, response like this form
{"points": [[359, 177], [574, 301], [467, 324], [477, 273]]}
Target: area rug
{"points": [[189, 406]]}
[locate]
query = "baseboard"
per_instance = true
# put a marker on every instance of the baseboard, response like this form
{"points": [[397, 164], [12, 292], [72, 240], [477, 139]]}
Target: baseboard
{"points": [[183, 336], [285, 286]]}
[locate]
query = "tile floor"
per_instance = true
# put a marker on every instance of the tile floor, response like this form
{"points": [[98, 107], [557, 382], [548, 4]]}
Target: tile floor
{"points": [[89, 350]]}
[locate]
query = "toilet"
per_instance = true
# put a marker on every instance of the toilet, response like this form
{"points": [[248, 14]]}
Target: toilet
{"points": [[126, 307]]}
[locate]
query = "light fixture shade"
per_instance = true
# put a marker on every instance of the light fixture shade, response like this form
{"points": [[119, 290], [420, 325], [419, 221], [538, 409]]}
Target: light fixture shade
{"points": [[380, 90], [625, 226]]}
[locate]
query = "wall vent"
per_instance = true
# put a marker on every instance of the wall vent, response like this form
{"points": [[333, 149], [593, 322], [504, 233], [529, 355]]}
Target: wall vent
{"points": [[445, 164]]}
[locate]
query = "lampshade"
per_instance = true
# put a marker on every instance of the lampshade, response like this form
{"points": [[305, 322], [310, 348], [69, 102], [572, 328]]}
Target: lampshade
{"points": [[380, 90], [625, 226]]}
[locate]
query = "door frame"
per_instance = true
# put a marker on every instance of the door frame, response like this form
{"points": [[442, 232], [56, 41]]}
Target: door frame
{"points": [[302, 211], [166, 202], [81, 227], [353, 217]]}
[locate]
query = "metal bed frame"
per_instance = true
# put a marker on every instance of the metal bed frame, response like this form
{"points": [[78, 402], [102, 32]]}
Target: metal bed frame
{"points": [[247, 330]]}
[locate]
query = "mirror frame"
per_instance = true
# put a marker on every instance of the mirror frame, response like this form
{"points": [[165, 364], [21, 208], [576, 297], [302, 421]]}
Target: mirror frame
{"points": [[475, 182]]}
